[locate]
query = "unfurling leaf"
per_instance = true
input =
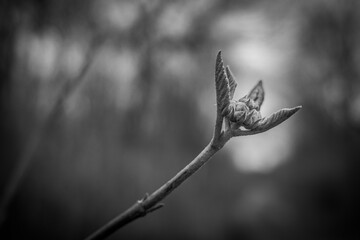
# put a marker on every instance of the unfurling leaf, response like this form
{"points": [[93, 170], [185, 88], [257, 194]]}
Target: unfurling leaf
{"points": [[257, 95], [232, 82], [222, 87], [275, 118]]}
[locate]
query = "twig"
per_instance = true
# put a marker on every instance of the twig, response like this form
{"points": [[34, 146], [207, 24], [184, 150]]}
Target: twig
{"points": [[236, 114], [152, 202]]}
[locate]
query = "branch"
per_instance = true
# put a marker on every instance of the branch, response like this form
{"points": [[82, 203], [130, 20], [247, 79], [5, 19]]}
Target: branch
{"points": [[235, 114], [151, 203]]}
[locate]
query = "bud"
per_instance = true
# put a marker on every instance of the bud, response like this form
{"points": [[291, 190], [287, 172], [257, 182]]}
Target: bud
{"points": [[244, 112]]}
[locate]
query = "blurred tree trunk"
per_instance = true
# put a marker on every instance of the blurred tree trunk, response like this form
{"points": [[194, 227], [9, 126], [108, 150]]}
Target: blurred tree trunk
{"points": [[8, 26]]}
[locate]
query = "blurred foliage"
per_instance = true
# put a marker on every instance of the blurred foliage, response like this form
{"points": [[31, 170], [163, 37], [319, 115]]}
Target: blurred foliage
{"points": [[132, 86]]}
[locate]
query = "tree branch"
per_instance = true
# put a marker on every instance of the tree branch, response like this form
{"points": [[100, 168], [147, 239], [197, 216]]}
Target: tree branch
{"points": [[226, 111], [152, 202]]}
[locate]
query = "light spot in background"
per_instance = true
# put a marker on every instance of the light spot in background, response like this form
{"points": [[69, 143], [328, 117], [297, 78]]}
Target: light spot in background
{"points": [[50, 58], [257, 56], [266, 48], [120, 15], [72, 58], [239, 23], [261, 153], [42, 51], [180, 68], [121, 68], [174, 22], [178, 17], [178, 63], [48, 54], [258, 47], [38, 56]]}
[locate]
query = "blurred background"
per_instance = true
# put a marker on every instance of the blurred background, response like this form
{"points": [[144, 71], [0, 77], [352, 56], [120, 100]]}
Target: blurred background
{"points": [[103, 101]]}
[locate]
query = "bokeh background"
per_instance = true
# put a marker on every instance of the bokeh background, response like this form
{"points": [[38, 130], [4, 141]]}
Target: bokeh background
{"points": [[103, 101]]}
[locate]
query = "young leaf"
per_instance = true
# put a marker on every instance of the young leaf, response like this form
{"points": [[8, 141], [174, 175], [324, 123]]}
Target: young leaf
{"points": [[275, 118], [222, 86], [232, 82], [257, 94]]}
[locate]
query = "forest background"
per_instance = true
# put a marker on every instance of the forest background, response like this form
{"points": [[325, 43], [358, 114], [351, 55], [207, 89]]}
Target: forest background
{"points": [[103, 101]]}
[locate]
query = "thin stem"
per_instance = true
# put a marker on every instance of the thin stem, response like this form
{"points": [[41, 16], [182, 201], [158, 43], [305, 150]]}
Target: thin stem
{"points": [[151, 203], [218, 127]]}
